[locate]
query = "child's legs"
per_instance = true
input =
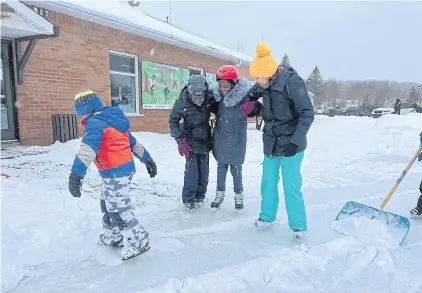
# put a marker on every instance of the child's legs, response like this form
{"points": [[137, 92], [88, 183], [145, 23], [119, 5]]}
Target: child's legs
{"points": [[420, 197], [236, 171], [221, 176], [110, 228], [269, 188], [203, 175], [292, 183], [191, 177], [118, 205]]}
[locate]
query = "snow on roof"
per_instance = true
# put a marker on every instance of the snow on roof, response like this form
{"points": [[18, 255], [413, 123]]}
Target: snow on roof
{"points": [[120, 15]]}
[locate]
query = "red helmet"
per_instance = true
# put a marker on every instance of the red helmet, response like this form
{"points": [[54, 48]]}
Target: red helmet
{"points": [[228, 72]]}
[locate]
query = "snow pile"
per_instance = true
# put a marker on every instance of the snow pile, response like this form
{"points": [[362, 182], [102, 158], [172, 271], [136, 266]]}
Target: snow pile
{"points": [[371, 232], [49, 239]]}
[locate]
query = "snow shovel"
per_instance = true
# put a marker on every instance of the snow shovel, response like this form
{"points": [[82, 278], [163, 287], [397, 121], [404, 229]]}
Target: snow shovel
{"points": [[398, 226]]}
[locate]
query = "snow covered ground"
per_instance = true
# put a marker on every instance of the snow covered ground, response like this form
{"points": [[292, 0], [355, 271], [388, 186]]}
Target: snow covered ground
{"points": [[49, 238]]}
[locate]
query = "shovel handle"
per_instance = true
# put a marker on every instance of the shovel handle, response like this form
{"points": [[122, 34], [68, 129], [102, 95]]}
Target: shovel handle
{"points": [[387, 198]]}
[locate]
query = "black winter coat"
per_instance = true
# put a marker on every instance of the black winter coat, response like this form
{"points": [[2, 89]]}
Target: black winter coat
{"points": [[287, 112], [195, 126]]}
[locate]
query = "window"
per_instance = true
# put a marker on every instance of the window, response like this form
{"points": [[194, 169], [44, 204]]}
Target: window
{"points": [[124, 82], [194, 70]]}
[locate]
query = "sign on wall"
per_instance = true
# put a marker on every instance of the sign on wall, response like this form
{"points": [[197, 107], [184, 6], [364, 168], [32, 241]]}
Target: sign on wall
{"points": [[161, 84]]}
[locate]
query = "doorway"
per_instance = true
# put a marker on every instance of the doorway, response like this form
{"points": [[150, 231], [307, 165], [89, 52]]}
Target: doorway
{"points": [[7, 105]]}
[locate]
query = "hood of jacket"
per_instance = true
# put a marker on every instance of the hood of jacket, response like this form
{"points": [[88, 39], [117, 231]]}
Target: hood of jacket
{"points": [[113, 116], [236, 94], [279, 80]]}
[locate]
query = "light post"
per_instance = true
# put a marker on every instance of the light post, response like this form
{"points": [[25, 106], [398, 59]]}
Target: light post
{"points": [[419, 88]]}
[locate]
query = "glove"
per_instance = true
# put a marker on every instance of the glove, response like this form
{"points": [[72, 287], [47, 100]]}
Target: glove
{"points": [[290, 150], [255, 92], [75, 185], [184, 147], [248, 107], [151, 168]]}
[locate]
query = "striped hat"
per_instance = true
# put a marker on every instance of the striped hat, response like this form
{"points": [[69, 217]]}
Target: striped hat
{"points": [[86, 102]]}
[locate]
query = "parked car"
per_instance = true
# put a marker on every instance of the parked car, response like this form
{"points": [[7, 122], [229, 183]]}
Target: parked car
{"points": [[347, 111], [389, 109]]}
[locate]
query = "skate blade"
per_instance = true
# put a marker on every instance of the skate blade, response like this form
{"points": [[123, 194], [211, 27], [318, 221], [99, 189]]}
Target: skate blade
{"points": [[135, 255], [264, 227], [214, 210]]}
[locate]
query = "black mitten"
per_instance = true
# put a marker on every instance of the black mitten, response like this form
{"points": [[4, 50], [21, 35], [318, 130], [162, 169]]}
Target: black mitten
{"points": [[151, 168], [75, 185], [290, 150]]}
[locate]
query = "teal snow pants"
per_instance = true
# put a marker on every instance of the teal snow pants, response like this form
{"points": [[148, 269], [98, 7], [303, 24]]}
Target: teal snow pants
{"points": [[292, 183]]}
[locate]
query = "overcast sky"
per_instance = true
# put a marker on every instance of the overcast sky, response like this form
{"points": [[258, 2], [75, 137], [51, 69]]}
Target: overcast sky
{"points": [[347, 40]]}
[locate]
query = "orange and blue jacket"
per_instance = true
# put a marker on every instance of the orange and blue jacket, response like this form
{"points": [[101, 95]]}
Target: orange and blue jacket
{"points": [[108, 142]]}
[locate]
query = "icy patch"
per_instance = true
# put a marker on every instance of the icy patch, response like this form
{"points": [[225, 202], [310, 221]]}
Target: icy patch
{"points": [[371, 232]]}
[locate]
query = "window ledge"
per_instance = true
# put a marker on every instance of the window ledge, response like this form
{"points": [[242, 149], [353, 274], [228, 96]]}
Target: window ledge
{"points": [[134, 114]]}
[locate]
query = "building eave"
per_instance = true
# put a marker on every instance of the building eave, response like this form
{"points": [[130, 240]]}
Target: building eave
{"points": [[118, 23]]}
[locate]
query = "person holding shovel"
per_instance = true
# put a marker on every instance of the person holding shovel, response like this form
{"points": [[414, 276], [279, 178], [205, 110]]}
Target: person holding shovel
{"points": [[416, 213], [288, 114]]}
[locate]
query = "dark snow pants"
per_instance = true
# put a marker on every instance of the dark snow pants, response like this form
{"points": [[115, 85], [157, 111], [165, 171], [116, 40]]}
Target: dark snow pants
{"points": [[420, 197], [197, 171]]}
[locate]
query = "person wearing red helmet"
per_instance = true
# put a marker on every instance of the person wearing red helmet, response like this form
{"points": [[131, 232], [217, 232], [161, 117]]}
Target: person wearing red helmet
{"points": [[229, 136]]}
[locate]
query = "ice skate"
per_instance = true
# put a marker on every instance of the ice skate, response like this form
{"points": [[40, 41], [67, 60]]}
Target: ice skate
{"points": [[131, 252], [219, 198], [261, 224], [299, 234], [238, 201], [104, 240], [191, 206], [416, 213]]}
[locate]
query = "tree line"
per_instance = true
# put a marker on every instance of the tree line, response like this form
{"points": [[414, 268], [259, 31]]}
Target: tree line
{"points": [[334, 92]]}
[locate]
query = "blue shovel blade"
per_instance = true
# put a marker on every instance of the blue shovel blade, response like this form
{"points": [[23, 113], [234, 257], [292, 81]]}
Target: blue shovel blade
{"points": [[397, 225]]}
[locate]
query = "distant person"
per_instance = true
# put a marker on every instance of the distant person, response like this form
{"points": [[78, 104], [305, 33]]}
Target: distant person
{"points": [[397, 106], [109, 143], [417, 211], [193, 136], [230, 133], [417, 107], [288, 114]]}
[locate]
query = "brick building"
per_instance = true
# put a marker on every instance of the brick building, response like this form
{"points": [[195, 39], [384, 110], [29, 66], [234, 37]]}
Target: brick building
{"points": [[131, 60]]}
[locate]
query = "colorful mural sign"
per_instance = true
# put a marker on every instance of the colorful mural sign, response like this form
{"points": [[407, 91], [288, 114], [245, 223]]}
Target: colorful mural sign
{"points": [[161, 84], [211, 79]]}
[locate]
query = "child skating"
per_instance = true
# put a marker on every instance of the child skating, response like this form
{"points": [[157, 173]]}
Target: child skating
{"points": [[230, 133], [193, 137], [108, 142], [416, 213]]}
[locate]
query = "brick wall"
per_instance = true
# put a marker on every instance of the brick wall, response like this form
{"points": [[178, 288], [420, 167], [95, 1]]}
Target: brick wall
{"points": [[79, 58]]}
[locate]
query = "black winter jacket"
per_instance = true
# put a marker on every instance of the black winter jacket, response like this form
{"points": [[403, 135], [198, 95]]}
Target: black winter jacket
{"points": [[195, 126], [287, 112]]}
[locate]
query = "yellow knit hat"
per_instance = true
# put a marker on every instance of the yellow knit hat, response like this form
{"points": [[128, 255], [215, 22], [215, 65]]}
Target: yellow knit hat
{"points": [[264, 64]]}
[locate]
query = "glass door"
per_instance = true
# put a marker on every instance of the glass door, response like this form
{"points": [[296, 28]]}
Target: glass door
{"points": [[7, 105]]}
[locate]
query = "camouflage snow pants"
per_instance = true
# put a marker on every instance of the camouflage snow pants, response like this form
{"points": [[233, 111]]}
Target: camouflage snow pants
{"points": [[118, 219]]}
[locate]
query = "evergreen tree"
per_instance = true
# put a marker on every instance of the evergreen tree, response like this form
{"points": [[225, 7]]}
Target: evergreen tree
{"points": [[413, 95], [316, 84], [285, 60]]}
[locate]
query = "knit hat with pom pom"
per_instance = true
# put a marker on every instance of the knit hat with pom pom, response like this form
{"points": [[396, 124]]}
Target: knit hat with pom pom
{"points": [[264, 64]]}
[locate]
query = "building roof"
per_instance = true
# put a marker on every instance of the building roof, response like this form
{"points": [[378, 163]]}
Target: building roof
{"points": [[18, 21], [120, 15]]}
